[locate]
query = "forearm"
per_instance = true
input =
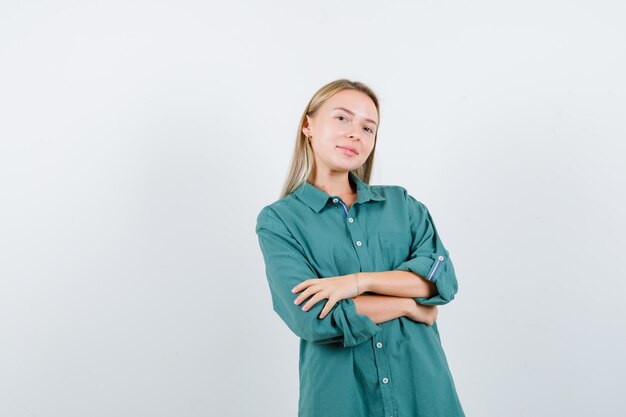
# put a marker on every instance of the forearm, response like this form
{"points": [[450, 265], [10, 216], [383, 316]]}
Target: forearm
{"points": [[396, 283], [381, 308]]}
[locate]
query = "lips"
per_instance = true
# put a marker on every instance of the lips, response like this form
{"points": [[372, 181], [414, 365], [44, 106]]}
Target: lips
{"points": [[350, 148]]}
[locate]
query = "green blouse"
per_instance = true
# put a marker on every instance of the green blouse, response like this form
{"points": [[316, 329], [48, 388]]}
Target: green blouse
{"points": [[349, 365]]}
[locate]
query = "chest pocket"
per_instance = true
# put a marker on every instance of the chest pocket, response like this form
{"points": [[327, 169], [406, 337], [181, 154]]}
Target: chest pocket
{"points": [[395, 247]]}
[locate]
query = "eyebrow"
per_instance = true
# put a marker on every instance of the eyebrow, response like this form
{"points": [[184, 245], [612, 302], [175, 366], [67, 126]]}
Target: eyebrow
{"points": [[352, 113]]}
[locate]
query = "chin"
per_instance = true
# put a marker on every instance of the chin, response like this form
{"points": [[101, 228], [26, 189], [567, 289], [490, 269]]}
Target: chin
{"points": [[347, 167]]}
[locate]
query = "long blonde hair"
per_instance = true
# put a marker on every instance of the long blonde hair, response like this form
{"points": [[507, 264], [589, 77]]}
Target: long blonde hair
{"points": [[303, 161]]}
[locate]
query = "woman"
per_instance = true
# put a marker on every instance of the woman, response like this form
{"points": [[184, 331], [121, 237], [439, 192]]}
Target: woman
{"points": [[356, 271]]}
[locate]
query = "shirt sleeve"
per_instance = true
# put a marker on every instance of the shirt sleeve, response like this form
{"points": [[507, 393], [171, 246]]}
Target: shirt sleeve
{"points": [[286, 265], [429, 258]]}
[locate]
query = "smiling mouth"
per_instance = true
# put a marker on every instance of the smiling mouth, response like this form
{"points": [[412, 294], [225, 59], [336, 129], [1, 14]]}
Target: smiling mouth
{"points": [[347, 151], [351, 150]]}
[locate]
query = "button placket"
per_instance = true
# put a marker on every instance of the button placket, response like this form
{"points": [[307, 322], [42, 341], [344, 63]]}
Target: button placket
{"points": [[354, 233], [382, 362], [386, 387]]}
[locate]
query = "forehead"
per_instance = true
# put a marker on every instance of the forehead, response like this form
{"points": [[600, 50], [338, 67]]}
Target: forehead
{"points": [[355, 101]]}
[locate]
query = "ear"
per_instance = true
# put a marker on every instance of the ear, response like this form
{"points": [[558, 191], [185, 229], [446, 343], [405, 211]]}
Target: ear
{"points": [[305, 127]]}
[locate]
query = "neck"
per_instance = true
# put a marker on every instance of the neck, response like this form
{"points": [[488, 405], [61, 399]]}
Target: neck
{"points": [[333, 183]]}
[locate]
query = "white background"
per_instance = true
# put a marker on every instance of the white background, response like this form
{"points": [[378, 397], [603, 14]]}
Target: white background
{"points": [[140, 139]]}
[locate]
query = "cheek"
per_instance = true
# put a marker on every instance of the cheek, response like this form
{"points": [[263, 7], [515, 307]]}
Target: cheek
{"points": [[326, 148]]}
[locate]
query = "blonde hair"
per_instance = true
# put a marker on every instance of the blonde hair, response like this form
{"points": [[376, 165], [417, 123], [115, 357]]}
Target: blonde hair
{"points": [[303, 161]]}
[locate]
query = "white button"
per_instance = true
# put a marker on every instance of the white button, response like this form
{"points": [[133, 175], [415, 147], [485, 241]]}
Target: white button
{"points": [[350, 219], [335, 200], [385, 380], [379, 345], [440, 258], [358, 243]]}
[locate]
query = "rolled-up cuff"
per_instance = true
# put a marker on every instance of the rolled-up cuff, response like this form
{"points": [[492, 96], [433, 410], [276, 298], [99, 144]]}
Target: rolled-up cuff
{"points": [[357, 328], [423, 266], [437, 269]]}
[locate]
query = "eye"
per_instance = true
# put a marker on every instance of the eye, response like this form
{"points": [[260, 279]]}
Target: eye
{"points": [[371, 131], [341, 117]]}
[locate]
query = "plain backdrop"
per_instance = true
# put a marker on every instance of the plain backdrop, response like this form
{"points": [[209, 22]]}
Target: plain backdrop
{"points": [[140, 139]]}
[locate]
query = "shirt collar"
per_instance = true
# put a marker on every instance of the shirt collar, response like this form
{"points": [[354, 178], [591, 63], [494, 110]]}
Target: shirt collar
{"points": [[317, 199]]}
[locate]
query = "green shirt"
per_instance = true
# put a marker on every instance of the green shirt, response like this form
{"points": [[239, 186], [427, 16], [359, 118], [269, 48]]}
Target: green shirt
{"points": [[349, 365]]}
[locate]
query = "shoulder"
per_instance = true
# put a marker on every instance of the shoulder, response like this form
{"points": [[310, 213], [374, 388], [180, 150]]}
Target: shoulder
{"points": [[391, 193], [398, 193], [271, 214]]}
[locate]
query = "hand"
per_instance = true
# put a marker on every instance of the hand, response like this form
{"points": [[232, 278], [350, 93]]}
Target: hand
{"points": [[423, 314], [333, 288]]}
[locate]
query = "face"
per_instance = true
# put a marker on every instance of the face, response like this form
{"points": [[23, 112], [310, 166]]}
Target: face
{"points": [[347, 120]]}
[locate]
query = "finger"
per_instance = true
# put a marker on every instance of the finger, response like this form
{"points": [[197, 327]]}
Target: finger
{"points": [[302, 285], [305, 294], [314, 300], [329, 305]]}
